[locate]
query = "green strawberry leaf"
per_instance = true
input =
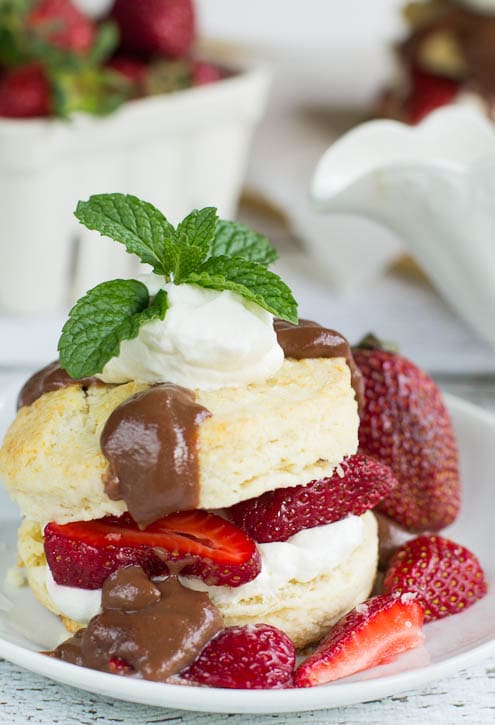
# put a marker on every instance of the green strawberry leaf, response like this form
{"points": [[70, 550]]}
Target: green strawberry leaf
{"points": [[105, 42], [235, 240], [99, 321], [136, 224], [250, 280]]}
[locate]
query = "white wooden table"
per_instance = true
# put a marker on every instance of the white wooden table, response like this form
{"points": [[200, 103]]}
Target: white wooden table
{"points": [[468, 698]]}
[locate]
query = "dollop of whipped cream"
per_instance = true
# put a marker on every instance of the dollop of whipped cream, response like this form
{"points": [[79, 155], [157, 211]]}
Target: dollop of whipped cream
{"points": [[304, 556], [208, 340], [81, 605]]}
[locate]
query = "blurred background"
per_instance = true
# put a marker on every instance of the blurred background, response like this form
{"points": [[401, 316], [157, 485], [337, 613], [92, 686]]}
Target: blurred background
{"points": [[237, 116]]}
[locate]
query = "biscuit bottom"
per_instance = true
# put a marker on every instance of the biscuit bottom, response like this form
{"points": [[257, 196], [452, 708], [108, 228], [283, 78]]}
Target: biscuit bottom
{"points": [[303, 610]]}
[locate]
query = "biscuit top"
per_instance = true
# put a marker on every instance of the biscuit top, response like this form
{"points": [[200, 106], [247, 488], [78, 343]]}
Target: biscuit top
{"points": [[309, 339]]}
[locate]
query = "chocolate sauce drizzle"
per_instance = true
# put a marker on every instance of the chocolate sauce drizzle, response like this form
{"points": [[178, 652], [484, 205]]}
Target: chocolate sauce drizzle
{"points": [[150, 442], [310, 340], [50, 378], [151, 630]]}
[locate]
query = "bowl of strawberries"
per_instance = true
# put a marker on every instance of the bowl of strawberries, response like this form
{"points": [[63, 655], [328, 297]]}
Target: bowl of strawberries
{"points": [[123, 101]]}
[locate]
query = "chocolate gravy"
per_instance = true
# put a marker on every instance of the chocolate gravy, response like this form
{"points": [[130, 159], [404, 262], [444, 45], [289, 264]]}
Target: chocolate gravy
{"points": [[50, 378], [151, 630], [310, 340], [150, 443]]}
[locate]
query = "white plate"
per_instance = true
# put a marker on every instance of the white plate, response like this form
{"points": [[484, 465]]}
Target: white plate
{"points": [[26, 627]]}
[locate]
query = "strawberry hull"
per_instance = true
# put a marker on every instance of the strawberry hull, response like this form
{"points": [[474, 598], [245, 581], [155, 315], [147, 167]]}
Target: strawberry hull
{"points": [[195, 543]]}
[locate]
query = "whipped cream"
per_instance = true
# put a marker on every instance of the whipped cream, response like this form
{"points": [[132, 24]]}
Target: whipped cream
{"points": [[81, 605], [208, 340], [303, 557]]}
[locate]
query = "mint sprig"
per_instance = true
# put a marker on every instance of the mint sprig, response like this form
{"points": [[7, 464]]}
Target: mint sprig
{"points": [[136, 224], [202, 250], [248, 279], [99, 321]]}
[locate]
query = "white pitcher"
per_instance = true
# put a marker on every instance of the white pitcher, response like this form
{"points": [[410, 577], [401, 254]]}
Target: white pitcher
{"points": [[433, 184]]}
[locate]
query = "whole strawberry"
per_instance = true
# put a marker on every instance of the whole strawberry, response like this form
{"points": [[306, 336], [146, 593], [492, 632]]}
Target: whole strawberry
{"points": [[62, 24], [405, 424], [446, 577], [165, 27], [253, 657], [25, 92]]}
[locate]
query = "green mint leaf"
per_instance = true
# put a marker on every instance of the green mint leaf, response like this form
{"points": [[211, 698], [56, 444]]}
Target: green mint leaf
{"points": [[138, 225], [236, 240], [198, 228], [188, 259], [250, 280], [99, 321]]}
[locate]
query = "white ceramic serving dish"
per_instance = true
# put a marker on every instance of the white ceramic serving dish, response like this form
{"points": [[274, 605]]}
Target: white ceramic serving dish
{"points": [[451, 643], [179, 151], [433, 184]]}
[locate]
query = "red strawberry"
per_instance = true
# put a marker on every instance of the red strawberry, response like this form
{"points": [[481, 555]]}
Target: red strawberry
{"points": [[405, 424], [204, 73], [372, 634], [25, 93], [62, 24], [84, 553], [166, 27], [446, 576], [253, 657], [357, 485], [429, 93]]}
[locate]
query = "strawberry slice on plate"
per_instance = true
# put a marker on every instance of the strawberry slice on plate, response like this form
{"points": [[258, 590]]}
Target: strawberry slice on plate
{"points": [[195, 543], [372, 634], [446, 577], [357, 485]]}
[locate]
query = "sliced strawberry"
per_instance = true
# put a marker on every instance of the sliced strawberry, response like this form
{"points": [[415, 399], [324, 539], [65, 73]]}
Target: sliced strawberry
{"points": [[357, 485], [446, 577], [372, 634], [196, 543], [253, 657]]}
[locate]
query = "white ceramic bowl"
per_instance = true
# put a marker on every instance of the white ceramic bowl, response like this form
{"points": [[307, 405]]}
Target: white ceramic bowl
{"points": [[179, 151]]}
